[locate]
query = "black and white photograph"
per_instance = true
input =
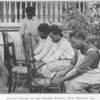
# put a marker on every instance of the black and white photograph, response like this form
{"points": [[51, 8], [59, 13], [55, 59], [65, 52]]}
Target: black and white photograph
{"points": [[50, 47]]}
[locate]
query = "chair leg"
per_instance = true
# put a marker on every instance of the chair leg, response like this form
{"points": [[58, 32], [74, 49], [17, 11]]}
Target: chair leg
{"points": [[15, 82], [63, 89], [37, 89], [10, 82], [31, 89]]}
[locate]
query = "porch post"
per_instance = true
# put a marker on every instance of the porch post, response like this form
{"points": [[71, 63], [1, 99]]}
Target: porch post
{"points": [[41, 13], [4, 15], [20, 13], [9, 11], [51, 19], [46, 12], [61, 11], [15, 11], [79, 7], [25, 8], [36, 10], [56, 11]]}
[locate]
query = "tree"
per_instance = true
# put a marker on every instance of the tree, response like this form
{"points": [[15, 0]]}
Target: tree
{"points": [[78, 21]]}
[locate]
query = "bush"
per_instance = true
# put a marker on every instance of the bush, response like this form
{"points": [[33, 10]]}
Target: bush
{"points": [[77, 21]]}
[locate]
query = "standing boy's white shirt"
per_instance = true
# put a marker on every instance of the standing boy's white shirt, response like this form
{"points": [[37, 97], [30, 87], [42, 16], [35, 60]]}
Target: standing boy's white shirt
{"points": [[29, 26], [46, 46], [64, 49]]}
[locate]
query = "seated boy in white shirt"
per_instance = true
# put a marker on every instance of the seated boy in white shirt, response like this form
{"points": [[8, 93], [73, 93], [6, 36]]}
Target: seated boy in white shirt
{"points": [[45, 43], [60, 54]]}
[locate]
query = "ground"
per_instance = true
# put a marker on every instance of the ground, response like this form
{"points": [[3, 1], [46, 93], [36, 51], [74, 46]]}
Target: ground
{"points": [[4, 89]]}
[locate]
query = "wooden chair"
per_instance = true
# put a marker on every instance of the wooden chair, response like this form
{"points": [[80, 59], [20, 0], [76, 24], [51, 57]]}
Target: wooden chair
{"points": [[9, 58], [36, 79], [29, 71]]}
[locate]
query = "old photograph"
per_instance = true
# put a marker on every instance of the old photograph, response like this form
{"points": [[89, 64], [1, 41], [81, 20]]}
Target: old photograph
{"points": [[50, 47]]}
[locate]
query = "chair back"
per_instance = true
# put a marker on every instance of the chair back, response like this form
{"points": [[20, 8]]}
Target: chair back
{"points": [[9, 52], [29, 54]]}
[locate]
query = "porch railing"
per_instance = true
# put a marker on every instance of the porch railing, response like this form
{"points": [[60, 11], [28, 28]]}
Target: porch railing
{"points": [[46, 11], [12, 12]]}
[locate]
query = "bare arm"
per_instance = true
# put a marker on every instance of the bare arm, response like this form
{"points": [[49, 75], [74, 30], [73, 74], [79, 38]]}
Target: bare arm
{"points": [[73, 73]]}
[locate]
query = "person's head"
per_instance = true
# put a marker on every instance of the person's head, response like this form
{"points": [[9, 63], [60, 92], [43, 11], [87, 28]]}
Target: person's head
{"points": [[72, 37], [55, 33], [44, 30], [30, 11], [81, 42], [91, 9]]}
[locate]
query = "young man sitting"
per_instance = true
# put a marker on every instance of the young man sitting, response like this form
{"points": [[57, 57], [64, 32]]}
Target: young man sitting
{"points": [[84, 74], [60, 54], [45, 44]]}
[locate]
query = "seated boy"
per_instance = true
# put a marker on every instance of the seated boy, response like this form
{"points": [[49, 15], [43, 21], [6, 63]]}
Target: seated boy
{"points": [[85, 73], [45, 42], [60, 54]]}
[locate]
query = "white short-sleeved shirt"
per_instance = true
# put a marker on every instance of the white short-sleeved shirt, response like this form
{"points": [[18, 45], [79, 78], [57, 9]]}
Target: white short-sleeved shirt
{"points": [[29, 26]]}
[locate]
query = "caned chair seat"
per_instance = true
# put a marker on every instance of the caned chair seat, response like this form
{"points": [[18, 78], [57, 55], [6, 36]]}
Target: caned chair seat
{"points": [[20, 70], [24, 73], [45, 85]]}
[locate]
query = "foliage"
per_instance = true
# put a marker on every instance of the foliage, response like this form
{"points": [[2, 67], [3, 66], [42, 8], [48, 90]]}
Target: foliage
{"points": [[75, 20]]}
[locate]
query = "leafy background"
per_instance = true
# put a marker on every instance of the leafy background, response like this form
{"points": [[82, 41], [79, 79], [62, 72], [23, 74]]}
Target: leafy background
{"points": [[73, 20]]}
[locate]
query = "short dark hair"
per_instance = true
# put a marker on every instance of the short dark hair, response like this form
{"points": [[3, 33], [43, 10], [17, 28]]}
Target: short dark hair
{"points": [[55, 29], [82, 35], [44, 27], [72, 34], [31, 10]]}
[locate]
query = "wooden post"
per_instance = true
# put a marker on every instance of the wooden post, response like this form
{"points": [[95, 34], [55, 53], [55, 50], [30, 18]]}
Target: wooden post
{"points": [[83, 6], [9, 11], [51, 19], [56, 11], [31, 3], [41, 12], [46, 12], [20, 12], [4, 14], [53, 10], [61, 11], [36, 10], [79, 7], [25, 8], [15, 11], [65, 5]]}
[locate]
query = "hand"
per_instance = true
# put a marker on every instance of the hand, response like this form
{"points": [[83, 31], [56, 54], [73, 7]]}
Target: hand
{"points": [[33, 60], [35, 57], [54, 70], [57, 80], [61, 74], [39, 64]]}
